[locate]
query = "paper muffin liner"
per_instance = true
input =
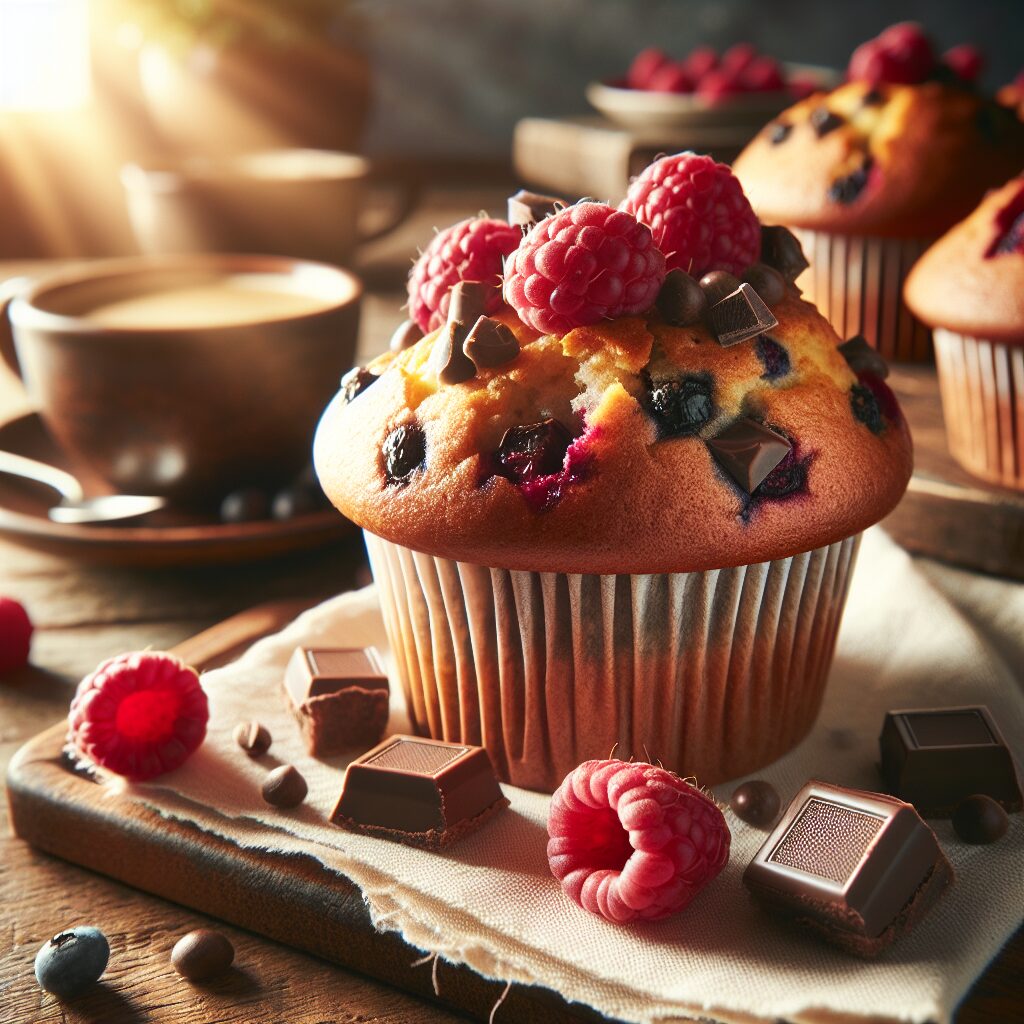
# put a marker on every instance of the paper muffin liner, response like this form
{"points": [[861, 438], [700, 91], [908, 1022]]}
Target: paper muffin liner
{"points": [[857, 284], [713, 673], [982, 387]]}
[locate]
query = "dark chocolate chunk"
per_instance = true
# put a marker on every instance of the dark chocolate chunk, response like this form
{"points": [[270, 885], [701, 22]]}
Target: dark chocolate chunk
{"points": [[490, 343], [778, 132], [716, 284], [748, 451], [202, 954], [773, 356], [824, 121], [767, 282], [781, 249], [866, 409], [406, 335], [859, 869], [468, 302], [936, 757], [756, 802], [862, 357], [284, 787], [453, 365], [739, 317], [980, 820], [847, 189], [533, 450], [681, 300], [682, 407], [324, 671], [404, 451], [252, 737], [788, 477], [528, 208], [419, 791], [355, 382]]}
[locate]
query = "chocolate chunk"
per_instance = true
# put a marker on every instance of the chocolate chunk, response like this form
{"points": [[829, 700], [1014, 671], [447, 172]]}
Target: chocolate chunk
{"points": [[468, 302], [533, 450], [874, 97], [682, 407], [404, 451], [778, 132], [936, 757], [202, 954], [756, 802], [824, 121], [863, 358], [528, 208], [406, 335], [979, 819], [859, 869], [284, 787], [716, 284], [748, 451], [847, 190], [773, 356], [453, 365], [788, 477], [767, 282], [740, 316], [681, 300], [490, 343], [252, 737], [339, 696], [419, 791], [355, 382], [781, 249]]}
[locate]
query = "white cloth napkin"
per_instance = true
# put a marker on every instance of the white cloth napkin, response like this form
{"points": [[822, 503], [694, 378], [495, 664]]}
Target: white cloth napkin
{"points": [[490, 902]]}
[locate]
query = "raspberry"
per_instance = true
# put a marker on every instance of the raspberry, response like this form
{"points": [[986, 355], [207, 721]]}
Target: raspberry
{"points": [[763, 75], [902, 54], [644, 67], [139, 714], [739, 57], [15, 635], [698, 213], [965, 61], [719, 85], [700, 61], [673, 77], [587, 263], [629, 840], [471, 250]]}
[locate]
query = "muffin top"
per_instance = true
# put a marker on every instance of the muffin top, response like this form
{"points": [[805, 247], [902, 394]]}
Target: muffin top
{"points": [[972, 279], [905, 148], [606, 411]]}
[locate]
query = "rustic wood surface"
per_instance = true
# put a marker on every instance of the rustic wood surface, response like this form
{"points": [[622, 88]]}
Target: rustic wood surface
{"points": [[86, 613]]}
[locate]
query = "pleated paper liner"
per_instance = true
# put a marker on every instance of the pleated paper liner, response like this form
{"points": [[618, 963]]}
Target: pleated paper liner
{"points": [[982, 387], [714, 673], [857, 285]]}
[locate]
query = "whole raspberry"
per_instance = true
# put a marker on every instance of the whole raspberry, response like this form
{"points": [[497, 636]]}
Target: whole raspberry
{"points": [[720, 85], [15, 635], [965, 61], [764, 74], [673, 77], [902, 54], [471, 250], [584, 264], [698, 213], [645, 66], [139, 714], [629, 840]]}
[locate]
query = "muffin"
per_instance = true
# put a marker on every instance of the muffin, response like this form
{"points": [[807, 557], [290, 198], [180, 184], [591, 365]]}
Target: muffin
{"points": [[870, 174], [970, 287], [620, 508]]}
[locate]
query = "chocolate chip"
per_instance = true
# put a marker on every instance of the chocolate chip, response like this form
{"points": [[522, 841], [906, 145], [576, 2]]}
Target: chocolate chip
{"points": [[533, 450], [404, 451], [681, 300], [863, 357], [773, 356], [739, 317], [872, 98], [284, 787], [528, 208], [756, 802], [490, 343], [355, 382], [979, 819], [453, 365], [767, 282], [252, 737], [682, 407], [781, 249], [824, 121], [202, 954], [716, 284], [406, 335], [778, 131], [748, 451], [847, 189], [865, 408]]}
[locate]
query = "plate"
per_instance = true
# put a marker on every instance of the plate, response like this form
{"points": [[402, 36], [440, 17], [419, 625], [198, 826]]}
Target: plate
{"points": [[167, 537]]}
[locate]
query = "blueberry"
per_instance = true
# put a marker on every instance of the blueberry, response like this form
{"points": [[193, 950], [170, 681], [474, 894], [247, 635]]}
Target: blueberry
{"points": [[773, 356], [404, 451], [824, 121], [245, 506], [533, 450], [778, 132], [355, 382], [865, 407], [846, 190], [300, 499], [682, 407], [72, 961], [788, 477]]}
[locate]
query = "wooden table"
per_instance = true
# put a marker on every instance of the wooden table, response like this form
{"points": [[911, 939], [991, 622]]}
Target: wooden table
{"points": [[84, 614]]}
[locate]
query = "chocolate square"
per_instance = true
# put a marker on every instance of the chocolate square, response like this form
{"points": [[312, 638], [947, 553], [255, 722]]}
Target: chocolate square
{"points": [[339, 696], [740, 316], [748, 451]]}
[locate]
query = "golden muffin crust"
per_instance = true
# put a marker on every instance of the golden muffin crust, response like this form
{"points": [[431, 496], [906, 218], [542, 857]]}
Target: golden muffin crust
{"points": [[971, 280], [629, 499], [885, 160]]}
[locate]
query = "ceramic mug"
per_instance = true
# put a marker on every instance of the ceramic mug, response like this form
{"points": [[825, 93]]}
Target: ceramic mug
{"points": [[186, 376]]}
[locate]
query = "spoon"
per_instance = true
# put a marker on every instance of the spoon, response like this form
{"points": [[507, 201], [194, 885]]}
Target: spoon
{"points": [[74, 506]]}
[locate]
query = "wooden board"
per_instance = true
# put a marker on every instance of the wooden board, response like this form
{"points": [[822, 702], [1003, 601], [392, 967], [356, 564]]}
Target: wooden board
{"points": [[946, 512], [67, 814]]}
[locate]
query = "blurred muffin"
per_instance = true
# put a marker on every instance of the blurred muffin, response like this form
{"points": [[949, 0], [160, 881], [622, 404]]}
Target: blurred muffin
{"points": [[869, 174], [622, 508], [970, 287]]}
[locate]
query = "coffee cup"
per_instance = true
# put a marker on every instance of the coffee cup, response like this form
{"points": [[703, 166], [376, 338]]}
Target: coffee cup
{"points": [[306, 203], [187, 377]]}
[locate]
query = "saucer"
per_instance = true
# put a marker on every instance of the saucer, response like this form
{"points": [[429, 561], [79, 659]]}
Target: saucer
{"points": [[167, 537]]}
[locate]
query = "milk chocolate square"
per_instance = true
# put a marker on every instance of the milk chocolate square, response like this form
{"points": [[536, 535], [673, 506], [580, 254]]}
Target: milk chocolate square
{"points": [[339, 696]]}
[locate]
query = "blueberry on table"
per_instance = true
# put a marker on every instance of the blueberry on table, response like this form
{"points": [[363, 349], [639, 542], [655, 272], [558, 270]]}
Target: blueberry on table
{"points": [[72, 961], [682, 407]]}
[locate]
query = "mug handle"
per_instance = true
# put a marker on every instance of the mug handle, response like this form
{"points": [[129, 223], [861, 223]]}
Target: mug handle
{"points": [[407, 198], [10, 289]]}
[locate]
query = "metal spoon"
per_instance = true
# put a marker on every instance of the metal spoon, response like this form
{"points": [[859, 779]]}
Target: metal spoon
{"points": [[74, 506]]}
